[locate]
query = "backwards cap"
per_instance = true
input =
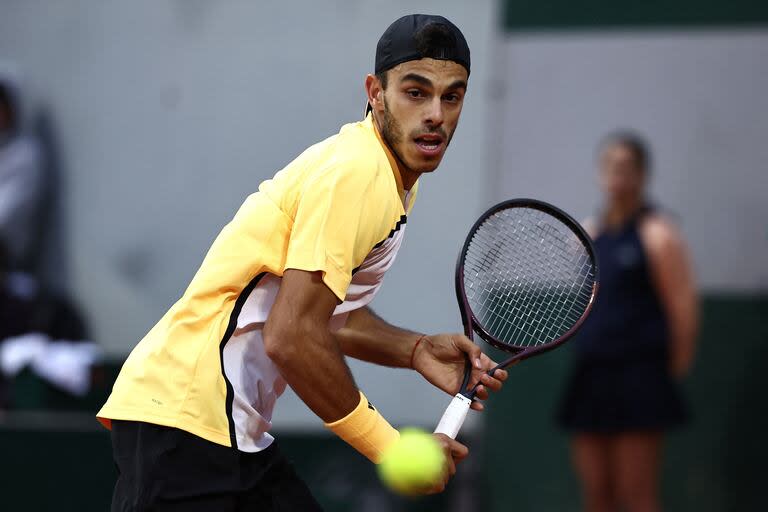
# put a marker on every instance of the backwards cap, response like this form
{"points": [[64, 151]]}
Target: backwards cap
{"points": [[403, 41]]}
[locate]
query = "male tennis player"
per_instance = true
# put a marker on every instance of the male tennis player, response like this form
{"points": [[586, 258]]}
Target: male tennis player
{"points": [[281, 298]]}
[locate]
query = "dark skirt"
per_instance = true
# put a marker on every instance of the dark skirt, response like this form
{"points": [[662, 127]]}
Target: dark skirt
{"points": [[610, 397]]}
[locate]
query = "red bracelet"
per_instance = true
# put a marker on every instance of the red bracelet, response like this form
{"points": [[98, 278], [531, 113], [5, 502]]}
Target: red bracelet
{"points": [[413, 352]]}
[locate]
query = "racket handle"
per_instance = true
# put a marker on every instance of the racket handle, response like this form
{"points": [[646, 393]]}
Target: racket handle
{"points": [[454, 416]]}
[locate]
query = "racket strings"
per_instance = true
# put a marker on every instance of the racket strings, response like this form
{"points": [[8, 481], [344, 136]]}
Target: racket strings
{"points": [[528, 278], [527, 316]]}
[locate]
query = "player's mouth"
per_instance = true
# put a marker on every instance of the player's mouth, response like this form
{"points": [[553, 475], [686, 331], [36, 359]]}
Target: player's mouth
{"points": [[430, 144]]}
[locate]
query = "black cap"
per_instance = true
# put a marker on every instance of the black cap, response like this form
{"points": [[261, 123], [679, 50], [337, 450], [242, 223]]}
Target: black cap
{"points": [[405, 40]]}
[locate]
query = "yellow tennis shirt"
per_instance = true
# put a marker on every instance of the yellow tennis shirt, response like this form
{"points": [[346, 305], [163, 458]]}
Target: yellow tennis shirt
{"points": [[339, 208]]}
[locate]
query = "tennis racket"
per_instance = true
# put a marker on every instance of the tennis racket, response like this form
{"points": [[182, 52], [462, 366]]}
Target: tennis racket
{"points": [[526, 279]]}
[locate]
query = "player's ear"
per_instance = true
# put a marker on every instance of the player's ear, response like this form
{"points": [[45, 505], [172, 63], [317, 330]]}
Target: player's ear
{"points": [[374, 91]]}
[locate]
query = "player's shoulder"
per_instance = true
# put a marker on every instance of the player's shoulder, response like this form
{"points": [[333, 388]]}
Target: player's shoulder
{"points": [[353, 155], [659, 230], [591, 226], [358, 145]]}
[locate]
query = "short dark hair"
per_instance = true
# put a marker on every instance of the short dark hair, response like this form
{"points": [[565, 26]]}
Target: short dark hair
{"points": [[382, 76], [633, 141], [431, 42]]}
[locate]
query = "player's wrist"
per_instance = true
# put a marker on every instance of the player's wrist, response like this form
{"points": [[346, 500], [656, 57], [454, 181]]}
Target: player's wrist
{"points": [[366, 430], [418, 346]]}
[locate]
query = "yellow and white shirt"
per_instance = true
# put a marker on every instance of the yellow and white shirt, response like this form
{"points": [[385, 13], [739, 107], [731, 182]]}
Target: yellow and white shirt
{"points": [[338, 208]]}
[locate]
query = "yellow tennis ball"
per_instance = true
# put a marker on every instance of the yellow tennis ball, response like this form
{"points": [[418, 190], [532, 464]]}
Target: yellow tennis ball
{"points": [[414, 463]]}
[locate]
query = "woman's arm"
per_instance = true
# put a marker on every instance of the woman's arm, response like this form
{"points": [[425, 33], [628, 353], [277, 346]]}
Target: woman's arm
{"points": [[673, 280]]}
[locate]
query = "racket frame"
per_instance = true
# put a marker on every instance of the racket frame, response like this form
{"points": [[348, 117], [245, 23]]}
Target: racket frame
{"points": [[471, 325]]}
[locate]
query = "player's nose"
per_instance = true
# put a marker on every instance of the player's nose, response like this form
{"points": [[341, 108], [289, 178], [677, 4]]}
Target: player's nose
{"points": [[433, 114]]}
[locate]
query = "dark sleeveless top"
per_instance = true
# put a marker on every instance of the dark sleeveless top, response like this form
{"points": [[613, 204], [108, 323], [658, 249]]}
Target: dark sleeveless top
{"points": [[627, 322]]}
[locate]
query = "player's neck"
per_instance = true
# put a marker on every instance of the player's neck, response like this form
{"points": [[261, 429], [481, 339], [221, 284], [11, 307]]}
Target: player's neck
{"points": [[619, 212], [408, 176]]}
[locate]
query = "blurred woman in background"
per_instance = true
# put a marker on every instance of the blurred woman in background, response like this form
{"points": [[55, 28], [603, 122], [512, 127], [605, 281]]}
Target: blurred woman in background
{"points": [[637, 343], [22, 187]]}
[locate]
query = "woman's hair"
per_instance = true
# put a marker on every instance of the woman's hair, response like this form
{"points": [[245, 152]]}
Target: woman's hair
{"points": [[633, 141]]}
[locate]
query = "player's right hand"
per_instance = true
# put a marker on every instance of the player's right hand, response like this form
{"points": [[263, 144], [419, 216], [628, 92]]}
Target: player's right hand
{"points": [[454, 452]]}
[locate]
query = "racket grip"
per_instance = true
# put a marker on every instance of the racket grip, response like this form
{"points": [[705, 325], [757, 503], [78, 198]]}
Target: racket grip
{"points": [[454, 416]]}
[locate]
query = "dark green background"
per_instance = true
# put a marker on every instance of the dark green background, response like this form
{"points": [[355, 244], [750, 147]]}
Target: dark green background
{"points": [[520, 15], [717, 464]]}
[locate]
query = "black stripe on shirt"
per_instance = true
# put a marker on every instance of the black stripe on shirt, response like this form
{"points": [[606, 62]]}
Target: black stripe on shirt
{"points": [[403, 220], [398, 224], [231, 326]]}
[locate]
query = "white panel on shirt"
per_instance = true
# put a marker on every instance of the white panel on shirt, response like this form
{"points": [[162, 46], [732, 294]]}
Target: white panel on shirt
{"points": [[256, 381]]}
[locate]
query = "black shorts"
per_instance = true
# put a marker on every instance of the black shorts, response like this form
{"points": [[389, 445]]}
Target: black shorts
{"points": [[164, 469]]}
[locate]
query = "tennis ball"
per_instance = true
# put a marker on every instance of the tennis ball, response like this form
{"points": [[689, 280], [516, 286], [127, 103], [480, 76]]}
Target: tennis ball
{"points": [[415, 462]]}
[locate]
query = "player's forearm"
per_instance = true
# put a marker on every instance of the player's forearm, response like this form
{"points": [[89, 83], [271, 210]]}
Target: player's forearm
{"points": [[369, 338], [682, 316], [312, 363]]}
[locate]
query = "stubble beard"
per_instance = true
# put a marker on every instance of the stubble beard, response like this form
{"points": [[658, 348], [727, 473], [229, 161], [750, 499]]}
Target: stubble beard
{"points": [[392, 133]]}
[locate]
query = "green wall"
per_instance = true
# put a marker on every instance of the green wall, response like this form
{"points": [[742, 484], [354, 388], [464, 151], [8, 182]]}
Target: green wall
{"points": [[578, 14], [715, 464]]}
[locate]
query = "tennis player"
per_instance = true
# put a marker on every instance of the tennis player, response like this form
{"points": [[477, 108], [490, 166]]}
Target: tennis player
{"points": [[282, 297], [638, 342]]}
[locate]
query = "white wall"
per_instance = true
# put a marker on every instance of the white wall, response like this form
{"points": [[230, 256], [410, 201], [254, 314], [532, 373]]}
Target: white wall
{"points": [[699, 96], [170, 112]]}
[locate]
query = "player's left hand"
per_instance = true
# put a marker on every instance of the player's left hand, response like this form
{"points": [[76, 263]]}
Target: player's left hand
{"points": [[440, 359]]}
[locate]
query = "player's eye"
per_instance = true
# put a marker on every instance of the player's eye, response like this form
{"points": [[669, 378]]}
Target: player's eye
{"points": [[452, 97], [414, 93]]}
